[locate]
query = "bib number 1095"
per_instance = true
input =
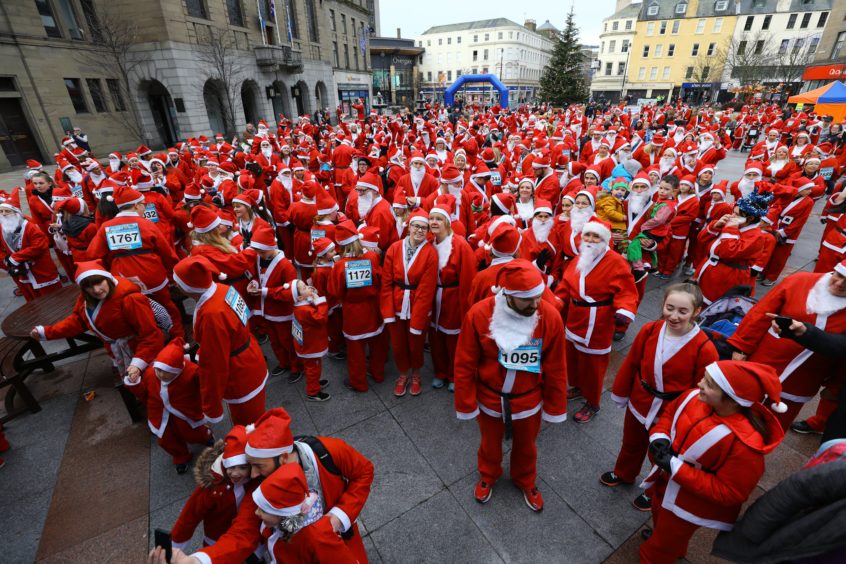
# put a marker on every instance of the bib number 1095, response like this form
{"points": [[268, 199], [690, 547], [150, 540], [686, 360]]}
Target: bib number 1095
{"points": [[526, 358]]}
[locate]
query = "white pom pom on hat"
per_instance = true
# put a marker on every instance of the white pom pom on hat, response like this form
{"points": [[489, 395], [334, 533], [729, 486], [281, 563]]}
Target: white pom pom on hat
{"points": [[222, 276], [779, 407]]}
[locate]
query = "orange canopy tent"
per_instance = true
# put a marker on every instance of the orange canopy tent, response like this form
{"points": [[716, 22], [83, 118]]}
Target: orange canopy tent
{"points": [[829, 100]]}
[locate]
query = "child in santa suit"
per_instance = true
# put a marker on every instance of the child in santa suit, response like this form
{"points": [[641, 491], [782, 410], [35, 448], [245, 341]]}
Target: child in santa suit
{"points": [[222, 474], [324, 253], [75, 226], [170, 390], [708, 447], [668, 356], [687, 210], [311, 338]]}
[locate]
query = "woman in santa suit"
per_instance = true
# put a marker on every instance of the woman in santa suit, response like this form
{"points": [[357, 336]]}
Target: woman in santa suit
{"points": [[535, 243], [708, 447], [734, 244], [687, 210], [409, 280], [207, 241], [802, 145], [456, 269], [525, 204], [250, 213], [668, 356], [114, 309], [302, 214]]}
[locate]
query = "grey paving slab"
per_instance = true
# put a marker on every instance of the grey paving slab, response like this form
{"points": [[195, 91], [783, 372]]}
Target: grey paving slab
{"points": [[164, 517], [606, 429], [385, 390], [373, 555], [631, 333], [346, 408], [165, 484], [403, 477], [437, 530], [281, 394], [557, 534]]}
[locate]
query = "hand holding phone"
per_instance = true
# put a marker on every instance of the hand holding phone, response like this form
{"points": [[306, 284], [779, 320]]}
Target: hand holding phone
{"points": [[162, 539], [783, 323]]}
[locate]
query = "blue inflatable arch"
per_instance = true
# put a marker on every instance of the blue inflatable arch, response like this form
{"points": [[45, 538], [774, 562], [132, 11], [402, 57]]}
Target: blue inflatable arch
{"points": [[449, 93]]}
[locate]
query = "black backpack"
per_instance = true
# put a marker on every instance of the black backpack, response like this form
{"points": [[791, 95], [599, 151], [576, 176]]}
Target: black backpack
{"points": [[320, 453]]}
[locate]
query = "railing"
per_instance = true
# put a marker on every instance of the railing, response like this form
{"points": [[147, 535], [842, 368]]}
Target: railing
{"points": [[279, 56]]}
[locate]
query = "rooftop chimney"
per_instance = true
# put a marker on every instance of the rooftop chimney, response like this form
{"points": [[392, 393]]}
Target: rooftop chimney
{"points": [[531, 25], [399, 34]]}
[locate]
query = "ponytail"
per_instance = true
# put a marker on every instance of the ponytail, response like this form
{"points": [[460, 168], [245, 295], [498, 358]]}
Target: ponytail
{"points": [[757, 422]]}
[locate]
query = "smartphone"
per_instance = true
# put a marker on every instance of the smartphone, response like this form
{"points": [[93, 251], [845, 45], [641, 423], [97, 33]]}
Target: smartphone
{"points": [[162, 539], [783, 323]]}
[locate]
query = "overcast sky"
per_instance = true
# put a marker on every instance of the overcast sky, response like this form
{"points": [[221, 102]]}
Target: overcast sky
{"points": [[416, 17]]}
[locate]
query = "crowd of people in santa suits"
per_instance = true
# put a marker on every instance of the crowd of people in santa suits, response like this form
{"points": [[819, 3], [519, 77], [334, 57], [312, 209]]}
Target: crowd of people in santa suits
{"points": [[514, 246]]}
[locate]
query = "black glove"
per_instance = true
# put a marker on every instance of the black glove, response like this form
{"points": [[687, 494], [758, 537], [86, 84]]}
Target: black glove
{"points": [[543, 258], [658, 445], [663, 458], [483, 264]]}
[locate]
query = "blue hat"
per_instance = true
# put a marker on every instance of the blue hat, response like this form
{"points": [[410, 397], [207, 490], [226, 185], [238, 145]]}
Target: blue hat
{"points": [[755, 204]]}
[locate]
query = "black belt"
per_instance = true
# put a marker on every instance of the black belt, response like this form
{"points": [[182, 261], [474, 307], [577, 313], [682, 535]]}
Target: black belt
{"points": [[450, 285], [734, 265], [230, 281], [506, 405], [660, 395], [841, 231], [242, 348], [132, 253], [600, 303], [405, 286]]}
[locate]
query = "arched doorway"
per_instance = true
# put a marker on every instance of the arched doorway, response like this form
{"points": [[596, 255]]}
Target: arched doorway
{"points": [[213, 98], [301, 98], [162, 110], [320, 94], [250, 101], [280, 100]]}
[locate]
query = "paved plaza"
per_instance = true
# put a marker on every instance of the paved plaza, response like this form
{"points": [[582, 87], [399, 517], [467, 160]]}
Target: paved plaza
{"points": [[82, 484]]}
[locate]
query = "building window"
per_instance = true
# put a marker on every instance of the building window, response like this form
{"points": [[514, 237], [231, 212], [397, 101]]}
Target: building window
{"points": [[671, 49], [812, 46], [652, 10], [676, 27], [475, 56], [311, 22], [233, 10], [485, 55], [666, 74], [822, 20], [609, 68], [475, 39], [294, 28], [604, 28], [485, 70], [611, 46], [806, 19], [658, 50], [96, 90], [487, 37], [117, 97], [91, 19], [650, 28], [475, 70], [449, 40], [797, 45], [653, 73], [711, 48], [457, 73], [695, 51], [48, 20], [625, 47], [681, 8], [197, 9], [429, 76], [741, 47], [333, 26], [759, 46], [352, 25], [718, 25], [428, 43], [628, 25], [641, 73], [782, 49], [499, 35], [440, 41], [344, 24], [346, 56], [621, 68], [355, 57], [706, 72], [458, 40], [645, 51], [335, 59], [69, 16], [720, 5], [748, 25], [75, 93], [766, 25], [700, 26], [662, 29], [791, 21], [838, 44], [688, 74], [615, 26]]}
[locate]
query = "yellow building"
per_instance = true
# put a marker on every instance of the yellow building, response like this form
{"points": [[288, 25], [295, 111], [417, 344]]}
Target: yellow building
{"points": [[678, 48]]}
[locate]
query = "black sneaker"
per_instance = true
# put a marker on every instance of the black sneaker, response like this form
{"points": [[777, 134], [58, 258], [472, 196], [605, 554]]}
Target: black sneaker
{"points": [[261, 339], [611, 480], [642, 503], [639, 275], [295, 377], [321, 396], [181, 468], [278, 371], [803, 428], [646, 533], [340, 355], [619, 336], [324, 383]]}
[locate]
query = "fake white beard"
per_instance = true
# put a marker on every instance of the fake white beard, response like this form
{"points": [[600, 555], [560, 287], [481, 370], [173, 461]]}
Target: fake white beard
{"points": [[417, 175], [287, 182], [666, 163], [509, 329], [268, 152], [114, 164], [444, 249], [776, 166], [526, 210], [820, 300], [455, 189], [578, 218], [365, 202], [638, 202], [541, 229], [74, 176], [745, 186], [690, 162], [678, 135], [588, 253], [10, 223], [704, 146], [624, 156], [511, 145]]}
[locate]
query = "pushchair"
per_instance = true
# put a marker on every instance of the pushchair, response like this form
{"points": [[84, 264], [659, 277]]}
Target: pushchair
{"points": [[751, 137], [720, 319]]}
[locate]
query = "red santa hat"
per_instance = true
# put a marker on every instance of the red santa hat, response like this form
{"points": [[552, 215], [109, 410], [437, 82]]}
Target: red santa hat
{"points": [[658, 140], [520, 279], [171, 358], [419, 216], [142, 180], [689, 180], [445, 206], [271, 435], [194, 274], [840, 268], [811, 159], [593, 170], [91, 163], [263, 238], [590, 193], [541, 162], [346, 233], [504, 201], [417, 156], [451, 175], [249, 198], [13, 202], [233, 448], [74, 206], [326, 204], [641, 178], [86, 269], [321, 246], [756, 168], [160, 158], [542, 206], [369, 236], [576, 168], [803, 183], [706, 168], [115, 155], [33, 165], [203, 219], [370, 181], [193, 192], [284, 492], [125, 196], [504, 241], [598, 227], [747, 382], [143, 150], [66, 141]]}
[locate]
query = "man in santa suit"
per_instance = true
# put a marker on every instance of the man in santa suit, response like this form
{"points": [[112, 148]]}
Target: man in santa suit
{"points": [[648, 154], [374, 210], [26, 251], [752, 177], [536, 239], [787, 225], [510, 373], [417, 184], [268, 161], [808, 297], [546, 183], [687, 162], [711, 150], [602, 160], [232, 367], [588, 149], [134, 247], [598, 292], [769, 144]]}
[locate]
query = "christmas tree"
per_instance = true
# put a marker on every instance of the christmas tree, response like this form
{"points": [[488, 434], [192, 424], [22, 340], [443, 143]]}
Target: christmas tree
{"points": [[562, 81]]}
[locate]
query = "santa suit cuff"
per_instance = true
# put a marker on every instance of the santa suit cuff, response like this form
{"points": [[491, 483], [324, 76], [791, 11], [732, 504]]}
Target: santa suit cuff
{"points": [[621, 402], [656, 436], [343, 517], [414, 331], [467, 416], [675, 464], [626, 313], [210, 419], [13, 261], [41, 335], [549, 418], [782, 233], [138, 363], [202, 557], [179, 545], [128, 382], [389, 319]]}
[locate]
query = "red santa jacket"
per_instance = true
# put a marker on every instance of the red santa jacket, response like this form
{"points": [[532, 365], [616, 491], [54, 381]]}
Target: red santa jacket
{"points": [[687, 210], [591, 299], [302, 214], [428, 185], [680, 370], [456, 269], [236, 266], [480, 376], [314, 543], [463, 210], [232, 367], [159, 210], [731, 254], [408, 286], [800, 370], [381, 216], [178, 398], [124, 321], [310, 328], [548, 188], [280, 200], [275, 303], [718, 460], [40, 210], [359, 300], [32, 248], [793, 217]]}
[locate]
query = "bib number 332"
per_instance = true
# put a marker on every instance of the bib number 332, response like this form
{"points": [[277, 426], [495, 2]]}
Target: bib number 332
{"points": [[526, 358]]}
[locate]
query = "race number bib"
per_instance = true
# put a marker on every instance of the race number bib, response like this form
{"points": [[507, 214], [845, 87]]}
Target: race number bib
{"points": [[124, 237], [358, 273], [566, 153], [297, 331], [317, 234], [496, 178], [526, 358], [151, 213], [77, 190], [238, 305], [826, 172]]}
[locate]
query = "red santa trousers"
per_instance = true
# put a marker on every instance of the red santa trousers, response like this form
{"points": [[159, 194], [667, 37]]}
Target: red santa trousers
{"points": [[778, 259], [524, 452], [358, 365], [442, 347], [586, 372], [29, 293], [827, 260], [827, 406], [670, 257], [670, 536], [178, 434], [249, 411], [408, 348], [313, 368], [4, 444], [162, 297], [786, 418], [282, 343], [633, 450]]}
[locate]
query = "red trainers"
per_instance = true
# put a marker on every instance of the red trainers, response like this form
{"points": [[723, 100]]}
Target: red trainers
{"points": [[400, 386], [534, 499], [586, 413], [416, 388], [483, 491]]}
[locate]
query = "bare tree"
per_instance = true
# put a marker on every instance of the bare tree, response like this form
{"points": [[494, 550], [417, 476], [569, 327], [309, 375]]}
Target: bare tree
{"points": [[219, 57], [750, 57], [708, 68], [791, 63], [112, 37]]}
